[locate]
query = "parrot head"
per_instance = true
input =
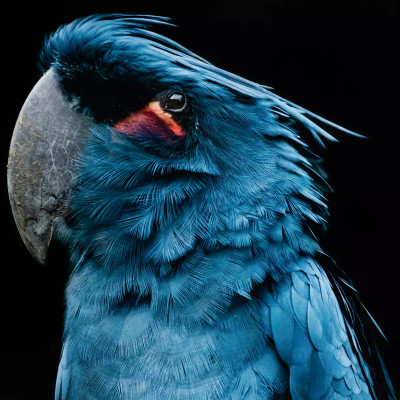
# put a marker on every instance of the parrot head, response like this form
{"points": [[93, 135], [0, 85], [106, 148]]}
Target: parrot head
{"points": [[129, 135]]}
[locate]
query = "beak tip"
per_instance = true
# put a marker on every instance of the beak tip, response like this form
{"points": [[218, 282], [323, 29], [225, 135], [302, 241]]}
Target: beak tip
{"points": [[34, 227]]}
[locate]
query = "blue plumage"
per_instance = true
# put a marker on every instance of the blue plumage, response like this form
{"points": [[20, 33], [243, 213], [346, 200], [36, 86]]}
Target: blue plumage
{"points": [[196, 272]]}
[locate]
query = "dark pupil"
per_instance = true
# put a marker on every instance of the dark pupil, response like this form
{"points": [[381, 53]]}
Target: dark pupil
{"points": [[175, 102]]}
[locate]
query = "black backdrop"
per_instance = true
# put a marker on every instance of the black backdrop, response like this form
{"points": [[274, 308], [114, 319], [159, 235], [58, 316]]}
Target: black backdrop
{"points": [[335, 58]]}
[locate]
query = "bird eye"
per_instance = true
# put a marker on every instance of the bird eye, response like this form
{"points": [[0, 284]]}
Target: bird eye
{"points": [[175, 102]]}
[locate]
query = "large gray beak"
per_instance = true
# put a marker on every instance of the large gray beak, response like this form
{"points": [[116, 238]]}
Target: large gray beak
{"points": [[47, 139]]}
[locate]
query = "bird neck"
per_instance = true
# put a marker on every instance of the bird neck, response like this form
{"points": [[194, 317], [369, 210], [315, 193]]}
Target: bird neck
{"points": [[186, 269], [177, 238]]}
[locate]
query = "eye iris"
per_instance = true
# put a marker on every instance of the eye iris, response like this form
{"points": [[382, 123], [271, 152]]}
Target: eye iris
{"points": [[176, 102]]}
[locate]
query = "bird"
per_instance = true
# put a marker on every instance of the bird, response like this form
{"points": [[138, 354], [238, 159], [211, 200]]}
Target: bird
{"points": [[190, 200]]}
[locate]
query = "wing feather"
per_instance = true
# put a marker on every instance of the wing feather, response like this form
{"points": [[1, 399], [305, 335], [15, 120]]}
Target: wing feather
{"points": [[313, 338]]}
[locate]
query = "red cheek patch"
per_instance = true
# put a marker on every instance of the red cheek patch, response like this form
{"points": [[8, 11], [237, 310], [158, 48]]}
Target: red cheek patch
{"points": [[151, 120]]}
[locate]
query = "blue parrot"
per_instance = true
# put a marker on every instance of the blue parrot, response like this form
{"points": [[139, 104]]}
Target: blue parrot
{"points": [[189, 199]]}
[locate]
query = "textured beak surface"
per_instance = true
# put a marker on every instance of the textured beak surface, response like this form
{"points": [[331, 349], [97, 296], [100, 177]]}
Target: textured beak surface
{"points": [[47, 139]]}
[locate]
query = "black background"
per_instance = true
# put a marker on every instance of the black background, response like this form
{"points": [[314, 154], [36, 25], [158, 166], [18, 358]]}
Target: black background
{"points": [[336, 58]]}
